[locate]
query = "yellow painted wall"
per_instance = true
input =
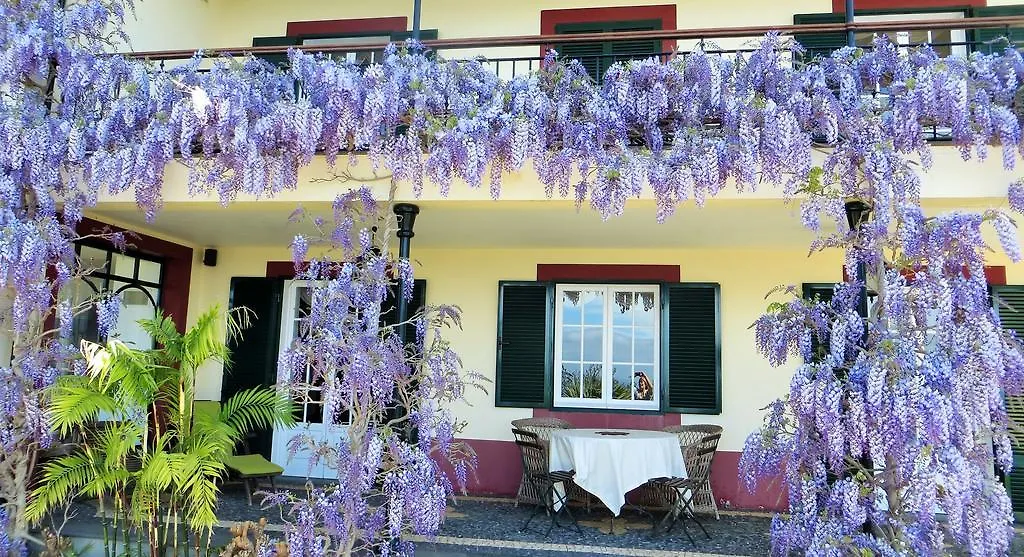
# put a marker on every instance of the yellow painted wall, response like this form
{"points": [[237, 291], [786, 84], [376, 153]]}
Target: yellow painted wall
{"points": [[468, 278], [949, 177], [231, 23]]}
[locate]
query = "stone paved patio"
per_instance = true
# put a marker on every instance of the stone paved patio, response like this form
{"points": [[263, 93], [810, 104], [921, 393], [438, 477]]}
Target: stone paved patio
{"points": [[491, 527]]}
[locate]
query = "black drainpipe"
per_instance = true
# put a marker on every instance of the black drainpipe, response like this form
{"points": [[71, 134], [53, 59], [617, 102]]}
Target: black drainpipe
{"points": [[406, 213], [851, 40]]}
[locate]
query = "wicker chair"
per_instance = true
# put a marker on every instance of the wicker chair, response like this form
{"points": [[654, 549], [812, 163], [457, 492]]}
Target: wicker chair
{"points": [[542, 428], [698, 458], [543, 481], [654, 496]]}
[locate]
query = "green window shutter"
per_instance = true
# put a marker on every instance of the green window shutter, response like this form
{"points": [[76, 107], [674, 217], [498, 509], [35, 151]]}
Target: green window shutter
{"points": [[276, 59], [691, 348], [597, 57], [822, 291], [819, 44], [1015, 487], [523, 372], [987, 40], [1009, 303]]}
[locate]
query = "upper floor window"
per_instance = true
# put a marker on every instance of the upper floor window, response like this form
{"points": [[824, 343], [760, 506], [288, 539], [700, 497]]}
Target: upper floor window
{"points": [[945, 42], [372, 33], [597, 57]]}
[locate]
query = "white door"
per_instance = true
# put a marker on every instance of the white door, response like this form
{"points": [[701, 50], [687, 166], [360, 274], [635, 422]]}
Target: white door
{"points": [[309, 416]]}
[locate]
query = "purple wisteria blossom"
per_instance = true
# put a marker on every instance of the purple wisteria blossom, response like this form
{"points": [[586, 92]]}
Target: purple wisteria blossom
{"points": [[888, 418]]}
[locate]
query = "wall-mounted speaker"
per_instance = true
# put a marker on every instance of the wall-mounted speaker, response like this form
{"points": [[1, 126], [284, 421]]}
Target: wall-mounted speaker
{"points": [[210, 257]]}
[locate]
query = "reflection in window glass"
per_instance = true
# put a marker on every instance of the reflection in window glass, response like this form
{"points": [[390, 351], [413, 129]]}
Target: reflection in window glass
{"points": [[93, 259], [149, 271]]}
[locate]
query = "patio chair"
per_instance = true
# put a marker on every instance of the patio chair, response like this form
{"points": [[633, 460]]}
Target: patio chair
{"points": [[698, 457], [654, 496], [535, 469], [248, 468], [542, 428]]}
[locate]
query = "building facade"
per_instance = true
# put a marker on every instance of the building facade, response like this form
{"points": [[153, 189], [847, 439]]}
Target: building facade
{"points": [[647, 324]]}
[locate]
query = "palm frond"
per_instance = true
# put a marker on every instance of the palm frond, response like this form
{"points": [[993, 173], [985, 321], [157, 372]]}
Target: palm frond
{"points": [[73, 405], [257, 408], [62, 478], [117, 441], [165, 333], [205, 339]]}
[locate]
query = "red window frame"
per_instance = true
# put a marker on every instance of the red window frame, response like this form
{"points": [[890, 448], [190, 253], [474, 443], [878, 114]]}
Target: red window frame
{"points": [[347, 26], [665, 12]]}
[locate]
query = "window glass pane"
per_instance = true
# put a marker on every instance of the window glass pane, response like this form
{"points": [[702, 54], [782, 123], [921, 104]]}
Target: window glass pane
{"points": [[593, 344], [643, 309], [622, 344], [593, 307], [149, 271], [571, 341], [572, 311], [622, 313], [93, 259], [622, 388], [124, 265], [315, 408], [643, 383], [303, 301], [135, 306], [593, 381], [84, 326], [643, 346], [571, 380]]}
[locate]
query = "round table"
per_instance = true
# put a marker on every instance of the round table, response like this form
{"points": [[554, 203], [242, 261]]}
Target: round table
{"points": [[611, 462]]}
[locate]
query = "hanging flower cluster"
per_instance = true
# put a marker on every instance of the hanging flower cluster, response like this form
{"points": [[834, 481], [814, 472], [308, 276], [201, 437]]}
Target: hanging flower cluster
{"points": [[884, 422], [380, 388]]}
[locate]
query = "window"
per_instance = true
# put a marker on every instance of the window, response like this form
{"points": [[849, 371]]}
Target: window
{"points": [[599, 56], [641, 347], [341, 32], [361, 57], [605, 346], [946, 42], [136, 278]]}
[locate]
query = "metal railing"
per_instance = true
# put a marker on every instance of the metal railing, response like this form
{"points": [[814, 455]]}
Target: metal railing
{"points": [[493, 52]]}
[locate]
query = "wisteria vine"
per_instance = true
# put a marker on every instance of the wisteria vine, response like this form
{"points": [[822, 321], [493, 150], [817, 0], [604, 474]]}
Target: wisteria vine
{"points": [[883, 423]]}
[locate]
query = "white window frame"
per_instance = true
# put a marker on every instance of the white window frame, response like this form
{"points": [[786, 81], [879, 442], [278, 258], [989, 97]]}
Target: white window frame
{"points": [[384, 38], [902, 38], [606, 401]]}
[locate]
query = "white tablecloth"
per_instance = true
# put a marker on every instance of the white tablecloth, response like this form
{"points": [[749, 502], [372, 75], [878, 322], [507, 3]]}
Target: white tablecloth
{"points": [[609, 466]]}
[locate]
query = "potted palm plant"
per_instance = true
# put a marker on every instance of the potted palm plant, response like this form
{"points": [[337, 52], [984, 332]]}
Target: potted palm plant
{"points": [[156, 460]]}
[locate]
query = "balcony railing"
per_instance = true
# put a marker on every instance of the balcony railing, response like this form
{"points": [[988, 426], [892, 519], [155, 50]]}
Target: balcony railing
{"points": [[511, 56]]}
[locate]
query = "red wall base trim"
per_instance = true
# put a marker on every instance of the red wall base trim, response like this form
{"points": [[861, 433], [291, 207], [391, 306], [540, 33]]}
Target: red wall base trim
{"points": [[611, 419], [731, 492], [499, 470]]}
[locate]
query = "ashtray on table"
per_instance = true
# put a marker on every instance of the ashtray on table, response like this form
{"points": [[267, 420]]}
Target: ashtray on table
{"points": [[613, 433]]}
